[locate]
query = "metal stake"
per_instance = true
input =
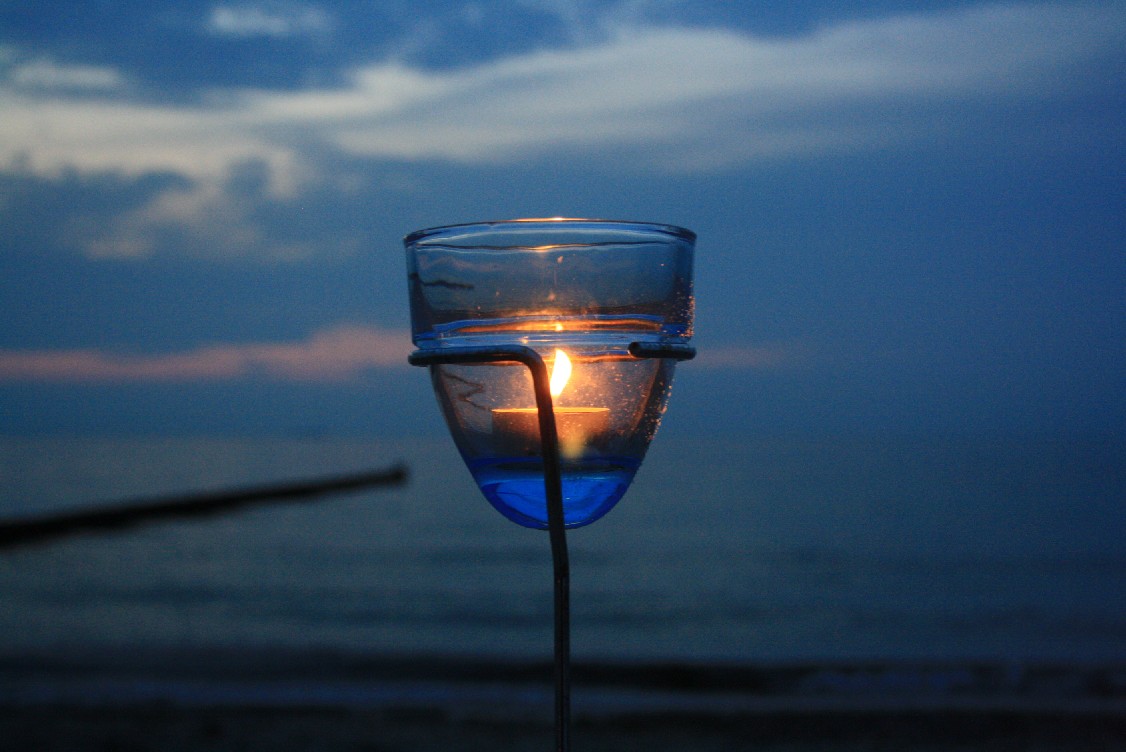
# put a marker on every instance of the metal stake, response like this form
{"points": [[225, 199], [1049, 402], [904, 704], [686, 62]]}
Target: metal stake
{"points": [[553, 489]]}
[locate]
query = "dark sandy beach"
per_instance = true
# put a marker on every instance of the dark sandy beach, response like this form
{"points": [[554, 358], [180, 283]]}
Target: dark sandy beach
{"points": [[420, 704], [172, 729]]}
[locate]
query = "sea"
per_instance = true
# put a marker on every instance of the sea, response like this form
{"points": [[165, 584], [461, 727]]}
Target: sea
{"points": [[940, 554]]}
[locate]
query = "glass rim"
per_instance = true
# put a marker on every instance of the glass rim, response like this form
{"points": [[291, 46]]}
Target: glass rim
{"points": [[675, 231]]}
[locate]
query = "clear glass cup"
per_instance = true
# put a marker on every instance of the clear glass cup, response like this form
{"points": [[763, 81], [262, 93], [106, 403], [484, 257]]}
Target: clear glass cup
{"points": [[578, 292]]}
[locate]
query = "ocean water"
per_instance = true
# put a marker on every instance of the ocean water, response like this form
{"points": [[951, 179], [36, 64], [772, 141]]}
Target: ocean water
{"points": [[769, 552]]}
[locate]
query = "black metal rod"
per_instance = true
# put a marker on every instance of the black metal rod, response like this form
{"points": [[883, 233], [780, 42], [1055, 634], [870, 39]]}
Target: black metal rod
{"points": [[553, 491], [553, 488], [561, 565], [669, 350]]}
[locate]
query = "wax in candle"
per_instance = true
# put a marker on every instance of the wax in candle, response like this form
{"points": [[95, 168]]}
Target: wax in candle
{"points": [[574, 425]]}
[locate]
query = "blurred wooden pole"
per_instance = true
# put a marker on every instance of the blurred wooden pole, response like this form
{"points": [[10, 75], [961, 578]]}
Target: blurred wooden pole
{"points": [[18, 532]]}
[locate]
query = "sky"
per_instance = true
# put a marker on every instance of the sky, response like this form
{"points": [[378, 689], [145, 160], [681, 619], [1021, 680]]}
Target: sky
{"points": [[909, 221]]}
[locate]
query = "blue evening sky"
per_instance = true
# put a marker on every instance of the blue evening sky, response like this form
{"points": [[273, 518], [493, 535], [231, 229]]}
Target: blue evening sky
{"points": [[910, 221]]}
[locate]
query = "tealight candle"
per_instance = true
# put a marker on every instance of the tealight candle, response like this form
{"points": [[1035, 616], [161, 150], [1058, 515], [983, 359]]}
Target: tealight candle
{"points": [[575, 426], [617, 296]]}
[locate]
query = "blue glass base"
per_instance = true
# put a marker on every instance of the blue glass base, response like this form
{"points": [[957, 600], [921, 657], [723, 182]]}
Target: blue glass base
{"points": [[514, 486]]}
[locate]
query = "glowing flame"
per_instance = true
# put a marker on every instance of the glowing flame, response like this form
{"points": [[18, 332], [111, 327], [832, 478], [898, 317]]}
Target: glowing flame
{"points": [[560, 373]]}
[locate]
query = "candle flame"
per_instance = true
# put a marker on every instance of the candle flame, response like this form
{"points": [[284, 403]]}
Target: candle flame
{"points": [[560, 373]]}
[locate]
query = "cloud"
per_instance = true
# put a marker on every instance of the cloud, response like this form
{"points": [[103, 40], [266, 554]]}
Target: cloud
{"points": [[211, 218], [49, 135], [334, 354], [766, 357], [712, 96], [47, 75], [276, 20], [707, 97], [646, 97]]}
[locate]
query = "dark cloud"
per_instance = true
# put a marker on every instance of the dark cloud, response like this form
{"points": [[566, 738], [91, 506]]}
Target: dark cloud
{"points": [[48, 216]]}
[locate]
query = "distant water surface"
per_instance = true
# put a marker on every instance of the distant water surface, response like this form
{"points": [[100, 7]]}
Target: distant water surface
{"points": [[770, 551]]}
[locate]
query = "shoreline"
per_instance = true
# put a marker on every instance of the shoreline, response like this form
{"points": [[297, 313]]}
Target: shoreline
{"points": [[170, 728], [290, 701], [327, 679]]}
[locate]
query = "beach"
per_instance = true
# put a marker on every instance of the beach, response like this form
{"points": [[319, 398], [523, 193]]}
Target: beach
{"points": [[442, 703], [171, 728], [800, 595]]}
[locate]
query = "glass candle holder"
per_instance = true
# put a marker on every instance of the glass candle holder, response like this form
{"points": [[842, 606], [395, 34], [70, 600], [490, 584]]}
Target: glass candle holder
{"points": [[580, 293]]}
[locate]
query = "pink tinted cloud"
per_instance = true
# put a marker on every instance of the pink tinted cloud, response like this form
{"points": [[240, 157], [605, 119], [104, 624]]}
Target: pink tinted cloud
{"points": [[333, 354], [766, 357], [329, 355]]}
